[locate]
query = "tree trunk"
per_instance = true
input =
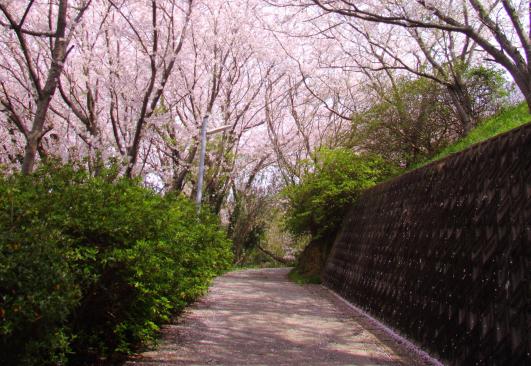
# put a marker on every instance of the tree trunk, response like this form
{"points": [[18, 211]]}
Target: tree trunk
{"points": [[463, 108], [523, 82], [43, 105], [272, 255], [179, 179], [45, 96]]}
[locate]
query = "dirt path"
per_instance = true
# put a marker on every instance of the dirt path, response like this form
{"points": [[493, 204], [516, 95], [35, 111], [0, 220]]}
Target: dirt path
{"points": [[258, 317]]}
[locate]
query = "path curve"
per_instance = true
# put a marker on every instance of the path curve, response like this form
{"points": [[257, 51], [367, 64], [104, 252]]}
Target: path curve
{"points": [[259, 317]]}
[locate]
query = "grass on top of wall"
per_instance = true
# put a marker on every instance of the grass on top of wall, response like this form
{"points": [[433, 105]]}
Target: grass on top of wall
{"points": [[505, 120]]}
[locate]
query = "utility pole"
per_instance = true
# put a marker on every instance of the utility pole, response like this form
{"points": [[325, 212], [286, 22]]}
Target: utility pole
{"points": [[200, 178], [199, 194]]}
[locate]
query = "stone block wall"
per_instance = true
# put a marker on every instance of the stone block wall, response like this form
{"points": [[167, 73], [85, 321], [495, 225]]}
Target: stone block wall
{"points": [[443, 254]]}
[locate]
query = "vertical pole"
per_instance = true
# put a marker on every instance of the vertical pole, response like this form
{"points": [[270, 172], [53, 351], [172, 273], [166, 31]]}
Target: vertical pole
{"points": [[199, 193]]}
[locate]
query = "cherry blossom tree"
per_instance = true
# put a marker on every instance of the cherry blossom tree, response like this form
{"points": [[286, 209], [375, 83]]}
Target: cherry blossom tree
{"points": [[223, 77], [38, 61], [145, 51], [500, 28], [132, 81]]}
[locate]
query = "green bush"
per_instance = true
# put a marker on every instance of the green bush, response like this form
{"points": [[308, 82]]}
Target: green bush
{"points": [[334, 179], [38, 291], [508, 118], [91, 266]]}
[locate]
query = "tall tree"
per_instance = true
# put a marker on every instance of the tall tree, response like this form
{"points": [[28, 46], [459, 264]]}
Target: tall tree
{"points": [[44, 78], [158, 43], [500, 28]]}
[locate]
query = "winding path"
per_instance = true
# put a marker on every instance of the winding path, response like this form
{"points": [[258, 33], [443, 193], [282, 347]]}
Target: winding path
{"points": [[258, 317]]}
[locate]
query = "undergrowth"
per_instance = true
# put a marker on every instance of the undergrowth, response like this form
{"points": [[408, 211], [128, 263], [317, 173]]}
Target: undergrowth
{"points": [[295, 276], [507, 119], [90, 267]]}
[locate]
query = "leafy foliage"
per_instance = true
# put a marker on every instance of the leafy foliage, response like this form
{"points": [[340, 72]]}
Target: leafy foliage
{"points": [[247, 222], [486, 89], [333, 180], [410, 122], [90, 266], [295, 276], [412, 119], [507, 119]]}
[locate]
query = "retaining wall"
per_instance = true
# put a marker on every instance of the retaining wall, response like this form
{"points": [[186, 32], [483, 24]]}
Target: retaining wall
{"points": [[443, 254]]}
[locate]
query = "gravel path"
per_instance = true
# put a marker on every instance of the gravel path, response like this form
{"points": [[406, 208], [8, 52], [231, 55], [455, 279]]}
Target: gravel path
{"points": [[259, 317]]}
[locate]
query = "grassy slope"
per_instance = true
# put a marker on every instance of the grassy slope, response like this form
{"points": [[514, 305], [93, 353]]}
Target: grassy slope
{"points": [[506, 120], [295, 276]]}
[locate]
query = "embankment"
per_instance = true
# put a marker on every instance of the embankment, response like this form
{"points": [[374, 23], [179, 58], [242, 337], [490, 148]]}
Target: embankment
{"points": [[442, 253]]}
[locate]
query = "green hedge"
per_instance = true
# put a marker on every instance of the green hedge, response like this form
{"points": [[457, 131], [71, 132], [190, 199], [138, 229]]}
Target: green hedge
{"points": [[91, 266], [333, 181]]}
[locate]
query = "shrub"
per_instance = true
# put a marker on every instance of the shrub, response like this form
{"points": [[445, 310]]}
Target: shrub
{"points": [[412, 118], [97, 264], [333, 180], [38, 291]]}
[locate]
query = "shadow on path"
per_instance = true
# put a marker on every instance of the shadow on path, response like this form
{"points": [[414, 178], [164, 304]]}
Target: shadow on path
{"points": [[258, 317]]}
